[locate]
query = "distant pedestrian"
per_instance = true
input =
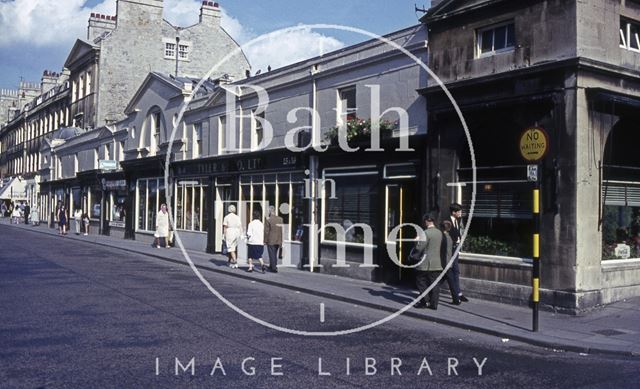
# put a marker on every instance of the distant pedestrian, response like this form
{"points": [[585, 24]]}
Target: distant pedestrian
{"points": [[3, 209], [62, 220], [231, 231], [273, 237], [453, 275], [430, 267], [16, 215], [87, 223], [35, 216], [162, 227], [27, 213], [255, 241], [77, 219]]}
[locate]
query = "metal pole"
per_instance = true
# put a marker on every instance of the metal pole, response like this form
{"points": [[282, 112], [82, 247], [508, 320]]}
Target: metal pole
{"points": [[536, 252]]}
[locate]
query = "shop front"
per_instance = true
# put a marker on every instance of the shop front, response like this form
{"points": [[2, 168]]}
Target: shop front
{"points": [[372, 206], [252, 182]]}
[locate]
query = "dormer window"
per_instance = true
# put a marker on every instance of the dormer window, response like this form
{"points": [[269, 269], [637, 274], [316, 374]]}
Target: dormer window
{"points": [[496, 39]]}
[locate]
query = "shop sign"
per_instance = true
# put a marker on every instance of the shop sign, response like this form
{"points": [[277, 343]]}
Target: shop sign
{"points": [[239, 165], [189, 183], [116, 185], [623, 251], [116, 224], [105, 164], [534, 144]]}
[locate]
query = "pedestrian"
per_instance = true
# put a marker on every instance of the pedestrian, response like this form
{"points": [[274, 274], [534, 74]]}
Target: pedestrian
{"points": [[231, 231], [3, 209], [453, 274], [62, 220], [162, 227], [27, 213], [255, 241], [87, 223], [15, 215], [35, 216], [447, 243], [77, 219], [273, 237], [427, 271]]}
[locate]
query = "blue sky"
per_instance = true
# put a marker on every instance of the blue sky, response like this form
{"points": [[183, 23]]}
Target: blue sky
{"points": [[38, 34]]}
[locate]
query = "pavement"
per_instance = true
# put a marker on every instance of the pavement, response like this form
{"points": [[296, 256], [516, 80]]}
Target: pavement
{"points": [[613, 329]]}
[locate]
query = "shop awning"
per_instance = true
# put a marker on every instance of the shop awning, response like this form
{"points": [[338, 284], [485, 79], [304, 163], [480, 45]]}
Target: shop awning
{"points": [[14, 190]]}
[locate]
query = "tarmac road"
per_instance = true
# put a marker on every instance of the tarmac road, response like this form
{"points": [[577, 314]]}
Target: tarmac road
{"points": [[74, 314]]}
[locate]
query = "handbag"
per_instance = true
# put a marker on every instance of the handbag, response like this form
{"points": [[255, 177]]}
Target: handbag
{"points": [[414, 257], [224, 250]]}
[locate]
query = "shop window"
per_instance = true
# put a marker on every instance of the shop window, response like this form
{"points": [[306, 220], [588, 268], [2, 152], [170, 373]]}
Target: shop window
{"points": [[118, 210], [620, 219], [355, 202], [495, 39], [502, 223], [629, 34], [95, 204]]}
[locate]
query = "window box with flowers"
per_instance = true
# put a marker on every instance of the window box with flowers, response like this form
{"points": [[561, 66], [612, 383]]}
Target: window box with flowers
{"points": [[359, 131]]}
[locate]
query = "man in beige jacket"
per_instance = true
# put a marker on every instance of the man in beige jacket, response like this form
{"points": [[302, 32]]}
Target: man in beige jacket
{"points": [[273, 237]]}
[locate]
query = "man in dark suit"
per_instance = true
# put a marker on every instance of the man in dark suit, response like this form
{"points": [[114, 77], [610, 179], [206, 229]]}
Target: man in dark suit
{"points": [[453, 275], [27, 211], [273, 237]]}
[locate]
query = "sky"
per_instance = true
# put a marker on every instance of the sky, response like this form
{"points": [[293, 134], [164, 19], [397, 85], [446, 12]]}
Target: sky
{"points": [[37, 35]]}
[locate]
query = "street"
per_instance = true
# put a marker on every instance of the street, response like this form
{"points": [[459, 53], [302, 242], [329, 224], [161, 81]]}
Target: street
{"points": [[76, 314]]}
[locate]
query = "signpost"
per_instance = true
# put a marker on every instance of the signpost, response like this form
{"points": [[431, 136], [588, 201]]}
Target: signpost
{"points": [[534, 144]]}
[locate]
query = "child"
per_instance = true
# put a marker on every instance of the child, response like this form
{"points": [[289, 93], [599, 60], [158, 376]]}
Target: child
{"points": [[87, 224]]}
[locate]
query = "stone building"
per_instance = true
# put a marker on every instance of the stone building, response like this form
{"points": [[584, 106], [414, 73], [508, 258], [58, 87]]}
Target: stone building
{"points": [[223, 155], [102, 72], [120, 51], [572, 69]]}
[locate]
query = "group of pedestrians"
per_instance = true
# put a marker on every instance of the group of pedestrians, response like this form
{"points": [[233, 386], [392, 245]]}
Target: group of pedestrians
{"points": [[258, 235], [80, 220], [21, 212], [434, 253]]}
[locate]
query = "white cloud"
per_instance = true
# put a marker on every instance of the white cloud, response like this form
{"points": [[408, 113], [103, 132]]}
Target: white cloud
{"points": [[47, 23], [285, 48]]}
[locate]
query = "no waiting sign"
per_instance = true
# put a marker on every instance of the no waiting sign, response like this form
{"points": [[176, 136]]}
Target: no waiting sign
{"points": [[534, 144]]}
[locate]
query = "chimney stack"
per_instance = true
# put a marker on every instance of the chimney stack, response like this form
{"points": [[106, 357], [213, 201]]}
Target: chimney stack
{"points": [[99, 24], [210, 13]]}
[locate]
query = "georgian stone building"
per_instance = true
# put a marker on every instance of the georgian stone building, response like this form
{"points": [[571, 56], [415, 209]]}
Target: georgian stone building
{"points": [[571, 68], [103, 71]]}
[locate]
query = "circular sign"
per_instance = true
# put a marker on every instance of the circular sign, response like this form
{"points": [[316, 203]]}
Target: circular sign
{"points": [[534, 143]]}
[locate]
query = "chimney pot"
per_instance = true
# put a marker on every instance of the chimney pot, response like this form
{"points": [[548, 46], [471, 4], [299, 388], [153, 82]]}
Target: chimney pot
{"points": [[93, 14], [216, 5]]}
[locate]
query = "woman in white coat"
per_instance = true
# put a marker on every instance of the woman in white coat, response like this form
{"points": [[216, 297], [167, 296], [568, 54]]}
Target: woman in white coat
{"points": [[162, 227], [231, 230]]}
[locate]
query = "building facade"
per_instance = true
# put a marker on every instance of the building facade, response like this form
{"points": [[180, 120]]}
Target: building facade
{"points": [[570, 68], [102, 71]]}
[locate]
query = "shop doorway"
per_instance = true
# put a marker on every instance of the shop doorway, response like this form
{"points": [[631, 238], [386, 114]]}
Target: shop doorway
{"points": [[400, 209]]}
